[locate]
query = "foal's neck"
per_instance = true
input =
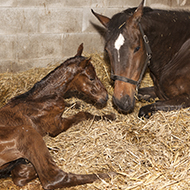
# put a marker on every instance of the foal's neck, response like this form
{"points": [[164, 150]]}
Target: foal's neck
{"points": [[55, 83]]}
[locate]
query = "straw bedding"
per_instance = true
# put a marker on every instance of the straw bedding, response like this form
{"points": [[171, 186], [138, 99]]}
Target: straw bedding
{"points": [[146, 154]]}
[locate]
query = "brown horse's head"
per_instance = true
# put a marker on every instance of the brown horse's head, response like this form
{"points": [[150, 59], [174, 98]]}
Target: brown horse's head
{"points": [[125, 47], [85, 80]]}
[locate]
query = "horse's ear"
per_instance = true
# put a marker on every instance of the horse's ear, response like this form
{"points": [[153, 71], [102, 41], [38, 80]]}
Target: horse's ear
{"points": [[79, 51], [103, 19], [137, 14]]}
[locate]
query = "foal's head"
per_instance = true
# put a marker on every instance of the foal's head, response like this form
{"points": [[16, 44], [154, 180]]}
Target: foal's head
{"points": [[85, 80], [125, 47]]}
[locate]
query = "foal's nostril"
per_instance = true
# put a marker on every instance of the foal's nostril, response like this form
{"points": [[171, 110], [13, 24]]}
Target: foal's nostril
{"points": [[106, 99], [103, 100]]}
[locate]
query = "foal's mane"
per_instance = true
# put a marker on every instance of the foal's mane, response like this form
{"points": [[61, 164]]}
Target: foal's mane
{"points": [[61, 71]]}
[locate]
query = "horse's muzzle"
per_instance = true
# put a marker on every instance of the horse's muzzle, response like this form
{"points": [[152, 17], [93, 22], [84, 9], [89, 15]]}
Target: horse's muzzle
{"points": [[125, 104]]}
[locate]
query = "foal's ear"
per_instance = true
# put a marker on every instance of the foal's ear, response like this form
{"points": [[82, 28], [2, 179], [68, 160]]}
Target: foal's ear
{"points": [[137, 14], [103, 19], [79, 51], [85, 63]]}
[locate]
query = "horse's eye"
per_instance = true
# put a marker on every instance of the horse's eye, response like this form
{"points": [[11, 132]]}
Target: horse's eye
{"points": [[136, 49]]}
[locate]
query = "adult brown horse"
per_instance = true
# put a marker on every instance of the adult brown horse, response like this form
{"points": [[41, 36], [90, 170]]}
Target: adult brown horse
{"points": [[25, 119], [131, 35]]}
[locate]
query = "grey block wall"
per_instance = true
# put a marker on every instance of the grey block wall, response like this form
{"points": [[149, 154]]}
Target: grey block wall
{"points": [[40, 32]]}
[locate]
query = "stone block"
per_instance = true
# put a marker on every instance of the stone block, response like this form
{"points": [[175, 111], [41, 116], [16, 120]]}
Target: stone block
{"points": [[23, 65], [14, 21], [39, 46], [122, 4], [26, 3], [12, 65], [7, 3], [7, 46], [93, 43], [60, 20], [68, 3], [6, 65], [169, 3]]}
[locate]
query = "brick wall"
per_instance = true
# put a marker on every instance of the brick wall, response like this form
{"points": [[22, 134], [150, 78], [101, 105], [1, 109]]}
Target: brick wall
{"points": [[40, 32]]}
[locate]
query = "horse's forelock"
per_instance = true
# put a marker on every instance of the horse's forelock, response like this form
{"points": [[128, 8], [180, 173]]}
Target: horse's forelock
{"points": [[117, 22]]}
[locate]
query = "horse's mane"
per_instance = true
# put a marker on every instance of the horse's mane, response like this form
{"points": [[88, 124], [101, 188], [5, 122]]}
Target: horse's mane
{"points": [[151, 16]]}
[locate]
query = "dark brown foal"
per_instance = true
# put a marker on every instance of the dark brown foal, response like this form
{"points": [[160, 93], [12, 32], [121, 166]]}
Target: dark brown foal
{"points": [[25, 119]]}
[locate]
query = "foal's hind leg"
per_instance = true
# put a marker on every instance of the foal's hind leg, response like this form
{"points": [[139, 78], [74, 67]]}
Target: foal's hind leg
{"points": [[23, 173], [31, 145]]}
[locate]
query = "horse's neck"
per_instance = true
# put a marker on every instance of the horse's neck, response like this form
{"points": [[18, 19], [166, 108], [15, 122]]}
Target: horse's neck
{"points": [[166, 31]]}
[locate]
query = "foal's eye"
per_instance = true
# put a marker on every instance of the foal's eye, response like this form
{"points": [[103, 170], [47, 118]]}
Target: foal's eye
{"points": [[92, 79], [136, 49]]}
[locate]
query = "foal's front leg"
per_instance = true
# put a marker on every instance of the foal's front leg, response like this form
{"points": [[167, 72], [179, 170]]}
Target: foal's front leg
{"points": [[62, 124]]}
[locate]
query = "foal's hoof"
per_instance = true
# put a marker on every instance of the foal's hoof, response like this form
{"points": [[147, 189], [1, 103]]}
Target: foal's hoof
{"points": [[110, 117], [145, 112], [77, 105]]}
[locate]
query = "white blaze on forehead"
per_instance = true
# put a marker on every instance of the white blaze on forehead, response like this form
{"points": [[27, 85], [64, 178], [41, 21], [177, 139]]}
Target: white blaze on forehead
{"points": [[119, 42]]}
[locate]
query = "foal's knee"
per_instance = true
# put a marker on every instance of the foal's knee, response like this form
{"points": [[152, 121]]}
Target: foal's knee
{"points": [[23, 173]]}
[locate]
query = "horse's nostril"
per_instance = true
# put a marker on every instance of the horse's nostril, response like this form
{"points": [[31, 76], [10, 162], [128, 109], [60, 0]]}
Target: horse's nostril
{"points": [[125, 104]]}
